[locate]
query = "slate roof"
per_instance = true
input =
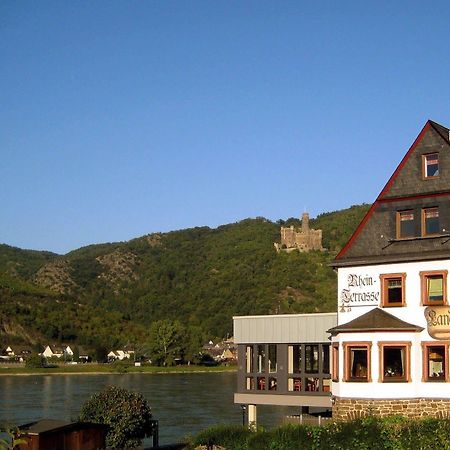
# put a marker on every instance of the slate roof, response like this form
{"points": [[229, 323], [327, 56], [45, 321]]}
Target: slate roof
{"points": [[375, 320], [375, 239], [444, 132]]}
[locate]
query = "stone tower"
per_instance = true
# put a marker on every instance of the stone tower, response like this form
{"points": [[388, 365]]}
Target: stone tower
{"points": [[305, 223], [304, 239]]}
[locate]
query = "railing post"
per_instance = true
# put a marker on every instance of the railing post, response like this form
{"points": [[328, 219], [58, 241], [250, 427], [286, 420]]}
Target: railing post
{"points": [[155, 433]]}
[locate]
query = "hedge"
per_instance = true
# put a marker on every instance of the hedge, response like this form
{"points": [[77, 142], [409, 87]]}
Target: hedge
{"points": [[369, 433]]}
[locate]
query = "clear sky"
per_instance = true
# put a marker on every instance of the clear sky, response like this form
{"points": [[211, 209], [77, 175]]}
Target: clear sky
{"points": [[119, 119]]}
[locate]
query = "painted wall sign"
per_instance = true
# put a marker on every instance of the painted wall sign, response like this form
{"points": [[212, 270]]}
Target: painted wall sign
{"points": [[360, 291], [438, 321]]}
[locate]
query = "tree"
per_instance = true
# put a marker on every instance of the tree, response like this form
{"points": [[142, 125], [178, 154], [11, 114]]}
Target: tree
{"points": [[127, 414], [194, 343], [76, 353], [36, 361], [101, 354], [167, 342]]}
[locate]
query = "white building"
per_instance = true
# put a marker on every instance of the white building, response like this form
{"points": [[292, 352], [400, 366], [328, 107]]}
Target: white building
{"points": [[58, 351], [391, 345]]}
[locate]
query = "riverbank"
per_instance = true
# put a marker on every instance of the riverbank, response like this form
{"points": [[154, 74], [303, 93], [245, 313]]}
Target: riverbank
{"points": [[103, 369]]}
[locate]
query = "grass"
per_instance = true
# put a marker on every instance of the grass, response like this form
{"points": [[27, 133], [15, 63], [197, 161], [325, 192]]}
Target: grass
{"points": [[91, 368]]}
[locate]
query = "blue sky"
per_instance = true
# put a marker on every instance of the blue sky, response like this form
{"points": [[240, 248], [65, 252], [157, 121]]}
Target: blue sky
{"points": [[119, 119]]}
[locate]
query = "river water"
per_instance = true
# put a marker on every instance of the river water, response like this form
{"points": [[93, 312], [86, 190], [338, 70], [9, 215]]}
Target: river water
{"points": [[183, 403]]}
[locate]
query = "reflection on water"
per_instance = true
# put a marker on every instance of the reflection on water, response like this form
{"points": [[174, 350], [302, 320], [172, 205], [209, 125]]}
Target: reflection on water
{"points": [[183, 403]]}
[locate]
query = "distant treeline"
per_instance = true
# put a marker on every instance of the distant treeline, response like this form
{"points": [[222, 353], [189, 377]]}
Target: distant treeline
{"points": [[197, 279]]}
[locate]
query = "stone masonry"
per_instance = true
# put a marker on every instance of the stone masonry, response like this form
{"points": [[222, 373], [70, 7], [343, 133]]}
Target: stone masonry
{"points": [[348, 409], [304, 239]]}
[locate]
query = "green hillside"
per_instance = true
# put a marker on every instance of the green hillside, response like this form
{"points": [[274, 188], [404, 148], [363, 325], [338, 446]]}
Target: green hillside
{"points": [[110, 294]]}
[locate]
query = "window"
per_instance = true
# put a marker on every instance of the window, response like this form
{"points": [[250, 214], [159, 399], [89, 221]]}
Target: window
{"points": [[435, 362], [312, 384], [272, 358], [357, 362], [326, 359], [430, 221], [261, 358], [295, 367], [394, 361], [272, 384], [294, 384], [430, 165], [311, 358], [260, 361], [261, 383], [294, 359], [308, 367], [405, 224], [434, 287], [335, 371], [392, 290], [249, 359]]}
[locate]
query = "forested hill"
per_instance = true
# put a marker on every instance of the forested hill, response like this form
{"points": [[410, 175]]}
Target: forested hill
{"points": [[109, 294]]}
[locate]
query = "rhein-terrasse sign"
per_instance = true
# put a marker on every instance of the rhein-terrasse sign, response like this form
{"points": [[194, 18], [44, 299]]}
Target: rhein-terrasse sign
{"points": [[360, 291]]}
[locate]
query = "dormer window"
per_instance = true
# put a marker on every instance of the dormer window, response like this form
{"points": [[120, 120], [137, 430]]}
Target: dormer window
{"points": [[430, 221], [430, 165], [405, 224]]}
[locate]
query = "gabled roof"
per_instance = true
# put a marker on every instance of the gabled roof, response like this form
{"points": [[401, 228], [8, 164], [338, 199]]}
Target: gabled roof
{"points": [[45, 426], [20, 349], [375, 320], [55, 349], [444, 132], [398, 189]]}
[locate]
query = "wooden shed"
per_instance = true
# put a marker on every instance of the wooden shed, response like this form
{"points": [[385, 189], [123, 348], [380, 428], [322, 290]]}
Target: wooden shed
{"points": [[49, 434]]}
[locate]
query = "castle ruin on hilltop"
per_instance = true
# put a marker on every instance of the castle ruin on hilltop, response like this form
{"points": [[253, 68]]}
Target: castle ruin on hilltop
{"points": [[303, 239]]}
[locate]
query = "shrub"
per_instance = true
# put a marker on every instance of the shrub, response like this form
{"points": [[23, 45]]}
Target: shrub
{"points": [[127, 414], [35, 361], [426, 434], [121, 366], [390, 433], [232, 437]]}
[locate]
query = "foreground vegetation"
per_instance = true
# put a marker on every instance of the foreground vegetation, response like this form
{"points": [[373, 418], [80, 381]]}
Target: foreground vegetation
{"points": [[370, 433]]}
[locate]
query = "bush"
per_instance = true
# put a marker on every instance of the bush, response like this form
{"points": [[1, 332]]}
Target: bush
{"points": [[127, 414], [292, 437], [121, 366], [35, 361]]}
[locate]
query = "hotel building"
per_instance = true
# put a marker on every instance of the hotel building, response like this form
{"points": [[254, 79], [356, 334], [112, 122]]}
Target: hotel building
{"points": [[388, 351]]}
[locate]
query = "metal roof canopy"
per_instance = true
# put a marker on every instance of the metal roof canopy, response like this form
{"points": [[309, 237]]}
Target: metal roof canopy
{"points": [[283, 328]]}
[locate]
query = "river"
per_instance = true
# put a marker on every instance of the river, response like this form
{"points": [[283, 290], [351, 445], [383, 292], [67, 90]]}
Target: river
{"points": [[183, 403]]}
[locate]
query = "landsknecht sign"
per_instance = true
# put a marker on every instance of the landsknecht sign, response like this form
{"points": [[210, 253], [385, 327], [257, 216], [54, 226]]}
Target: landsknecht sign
{"points": [[438, 321]]}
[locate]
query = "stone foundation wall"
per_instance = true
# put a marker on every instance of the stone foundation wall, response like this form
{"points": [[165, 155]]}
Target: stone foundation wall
{"points": [[349, 409]]}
